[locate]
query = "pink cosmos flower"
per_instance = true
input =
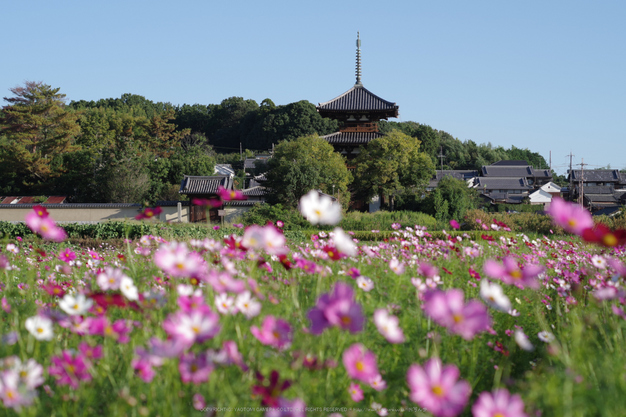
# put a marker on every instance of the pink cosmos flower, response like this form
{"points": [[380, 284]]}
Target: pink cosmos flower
{"points": [[45, 226], [69, 369], [211, 202], [110, 278], [195, 326], [234, 356], [274, 332], [148, 213], [356, 393], [337, 309], [90, 353], [118, 330], [571, 217], [224, 282], [501, 403], [143, 363], [287, 408], [176, 260], [195, 368], [67, 255], [228, 195], [454, 224], [396, 266], [427, 270], [360, 363], [510, 273], [378, 383], [438, 388], [12, 391], [198, 401], [449, 309]]}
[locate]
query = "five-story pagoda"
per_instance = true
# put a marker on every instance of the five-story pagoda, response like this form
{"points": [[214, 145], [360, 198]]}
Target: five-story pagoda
{"points": [[358, 110]]}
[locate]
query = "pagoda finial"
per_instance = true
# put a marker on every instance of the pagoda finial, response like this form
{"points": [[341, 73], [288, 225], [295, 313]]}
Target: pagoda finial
{"points": [[358, 60]]}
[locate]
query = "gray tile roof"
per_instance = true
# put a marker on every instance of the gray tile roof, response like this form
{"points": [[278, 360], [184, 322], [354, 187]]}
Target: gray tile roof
{"points": [[596, 175], [598, 189], [506, 171], [600, 198], [352, 138], [501, 183], [359, 99], [204, 185], [257, 191]]}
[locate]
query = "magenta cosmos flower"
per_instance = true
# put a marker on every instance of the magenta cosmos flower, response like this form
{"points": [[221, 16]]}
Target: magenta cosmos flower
{"points": [[274, 332], [437, 388], [500, 403], [360, 363], [337, 309], [510, 273], [69, 369], [45, 226], [449, 309], [571, 217]]}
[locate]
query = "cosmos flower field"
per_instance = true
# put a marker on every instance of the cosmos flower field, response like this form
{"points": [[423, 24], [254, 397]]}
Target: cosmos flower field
{"points": [[508, 325]]}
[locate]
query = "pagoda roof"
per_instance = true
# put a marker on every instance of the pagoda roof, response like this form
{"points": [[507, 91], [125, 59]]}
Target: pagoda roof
{"points": [[352, 138], [359, 99]]}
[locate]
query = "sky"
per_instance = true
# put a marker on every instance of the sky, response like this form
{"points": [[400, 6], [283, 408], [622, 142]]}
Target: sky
{"points": [[545, 75]]}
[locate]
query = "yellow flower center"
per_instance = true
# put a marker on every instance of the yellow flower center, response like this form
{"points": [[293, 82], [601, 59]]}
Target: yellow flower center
{"points": [[39, 330], [457, 318], [437, 390], [346, 320], [517, 274], [359, 366], [609, 239]]}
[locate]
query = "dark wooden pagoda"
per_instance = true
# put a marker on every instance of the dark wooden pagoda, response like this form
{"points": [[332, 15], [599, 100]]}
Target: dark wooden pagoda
{"points": [[358, 110]]}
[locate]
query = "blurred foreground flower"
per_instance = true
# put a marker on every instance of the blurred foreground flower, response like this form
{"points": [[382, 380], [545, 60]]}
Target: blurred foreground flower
{"points": [[500, 403], [320, 209], [148, 213], [39, 222], [437, 388]]}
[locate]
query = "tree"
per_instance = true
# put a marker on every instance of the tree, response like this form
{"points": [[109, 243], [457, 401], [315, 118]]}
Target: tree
{"points": [[307, 163], [390, 165], [38, 130]]}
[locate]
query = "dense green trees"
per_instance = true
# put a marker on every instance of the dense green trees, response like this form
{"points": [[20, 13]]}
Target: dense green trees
{"points": [[303, 164], [389, 165], [38, 130]]}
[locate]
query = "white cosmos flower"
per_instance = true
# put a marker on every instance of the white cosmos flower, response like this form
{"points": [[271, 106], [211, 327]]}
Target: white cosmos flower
{"points": [[225, 304], [40, 327], [387, 325], [247, 305], [344, 243], [493, 295], [598, 261], [546, 336], [319, 209], [127, 287], [75, 305], [365, 283], [522, 341]]}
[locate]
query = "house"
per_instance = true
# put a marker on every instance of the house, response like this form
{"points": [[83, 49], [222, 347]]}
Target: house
{"points": [[598, 188], [203, 187], [509, 190], [463, 175]]}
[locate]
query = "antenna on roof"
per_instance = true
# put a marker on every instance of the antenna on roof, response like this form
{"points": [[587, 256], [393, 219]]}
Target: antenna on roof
{"points": [[358, 60]]}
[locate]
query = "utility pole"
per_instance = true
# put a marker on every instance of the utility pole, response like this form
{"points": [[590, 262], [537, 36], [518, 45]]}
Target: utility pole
{"points": [[582, 185], [441, 156], [571, 176], [550, 157]]}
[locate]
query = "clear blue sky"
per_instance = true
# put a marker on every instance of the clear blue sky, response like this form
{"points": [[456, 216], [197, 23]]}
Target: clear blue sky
{"points": [[542, 75]]}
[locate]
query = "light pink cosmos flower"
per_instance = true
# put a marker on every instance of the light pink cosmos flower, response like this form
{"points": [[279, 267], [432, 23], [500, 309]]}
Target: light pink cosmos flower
{"points": [[143, 363], [510, 273], [224, 282], [69, 369], [387, 325], [356, 393], [247, 305], [12, 391], [119, 330], [360, 363], [45, 226], [396, 266], [501, 403], [110, 278], [378, 383], [176, 260], [320, 209], [233, 354], [449, 309], [274, 332], [571, 217], [225, 304], [365, 283], [287, 408], [437, 388], [193, 327]]}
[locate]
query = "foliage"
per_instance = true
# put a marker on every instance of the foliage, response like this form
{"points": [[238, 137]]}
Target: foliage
{"points": [[38, 130], [304, 164], [518, 222], [390, 165]]}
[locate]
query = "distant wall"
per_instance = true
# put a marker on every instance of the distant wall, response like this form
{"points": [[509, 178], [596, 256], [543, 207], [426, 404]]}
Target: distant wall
{"points": [[83, 213]]}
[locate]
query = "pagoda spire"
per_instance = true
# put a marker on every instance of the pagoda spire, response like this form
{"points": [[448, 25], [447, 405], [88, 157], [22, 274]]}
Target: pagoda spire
{"points": [[358, 61]]}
